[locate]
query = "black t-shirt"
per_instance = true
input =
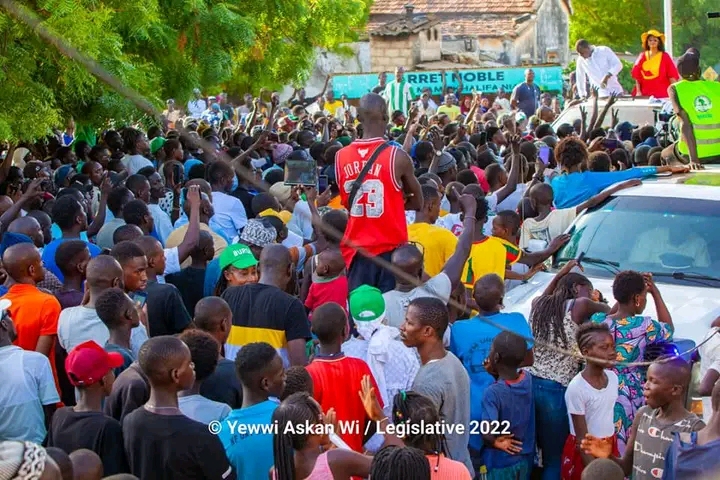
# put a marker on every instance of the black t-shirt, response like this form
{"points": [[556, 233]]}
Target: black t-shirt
{"points": [[130, 391], [190, 282], [268, 311], [307, 101], [223, 385], [167, 314], [173, 447], [71, 430]]}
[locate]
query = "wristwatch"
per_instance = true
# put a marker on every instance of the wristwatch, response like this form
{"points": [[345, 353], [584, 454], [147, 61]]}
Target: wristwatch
{"points": [[438, 153]]}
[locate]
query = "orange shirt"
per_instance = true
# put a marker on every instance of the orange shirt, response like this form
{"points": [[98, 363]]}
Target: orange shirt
{"points": [[443, 468], [35, 314]]}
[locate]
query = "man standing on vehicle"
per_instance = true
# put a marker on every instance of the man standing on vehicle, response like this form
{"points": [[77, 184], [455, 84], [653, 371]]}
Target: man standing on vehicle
{"points": [[600, 66], [399, 93], [388, 187], [697, 103]]}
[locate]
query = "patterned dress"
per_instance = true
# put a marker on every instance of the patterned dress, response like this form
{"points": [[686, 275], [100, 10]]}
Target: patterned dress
{"points": [[632, 336]]}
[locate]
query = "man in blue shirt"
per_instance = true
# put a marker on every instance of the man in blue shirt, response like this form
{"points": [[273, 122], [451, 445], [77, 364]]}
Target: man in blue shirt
{"points": [[470, 341], [72, 220], [526, 96], [247, 433]]}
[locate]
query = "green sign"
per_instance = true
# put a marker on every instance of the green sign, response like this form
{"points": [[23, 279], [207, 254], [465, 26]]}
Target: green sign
{"points": [[487, 80]]}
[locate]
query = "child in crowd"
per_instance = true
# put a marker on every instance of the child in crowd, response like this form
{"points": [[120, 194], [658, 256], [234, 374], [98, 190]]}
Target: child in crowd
{"points": [[262, 375], [335, 377], [90, 370], [72, 257], [602, 469], [590, 398], [329, 283], [119, 314], [520, 265], [204, 350], [191, 279], [213, 315], [414, 409], [653, 429], [297, 379], [160, 441], [537, 233], [694, 456], [510, 445]]}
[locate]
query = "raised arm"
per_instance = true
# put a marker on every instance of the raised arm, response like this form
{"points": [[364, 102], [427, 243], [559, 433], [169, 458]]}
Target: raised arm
{"points": [[192, 235], [514, 174], [580, 79], [602, 196], [454, 266]]}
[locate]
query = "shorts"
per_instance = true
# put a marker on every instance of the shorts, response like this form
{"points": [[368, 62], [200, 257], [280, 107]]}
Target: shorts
{"points": [[572, 465]]}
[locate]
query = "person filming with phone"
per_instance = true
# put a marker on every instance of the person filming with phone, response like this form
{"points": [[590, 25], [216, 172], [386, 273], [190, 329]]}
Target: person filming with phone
{"points": [[377, 184]]}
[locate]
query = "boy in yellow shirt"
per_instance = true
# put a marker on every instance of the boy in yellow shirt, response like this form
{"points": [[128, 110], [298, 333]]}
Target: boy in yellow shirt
{"points": [[436, 243], [506, 228]]}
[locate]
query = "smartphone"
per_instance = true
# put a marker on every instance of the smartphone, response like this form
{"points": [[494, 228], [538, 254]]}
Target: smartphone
{"points": [[139, 298], [544, 155], [178, 172], [301, 172], [322, 183]]}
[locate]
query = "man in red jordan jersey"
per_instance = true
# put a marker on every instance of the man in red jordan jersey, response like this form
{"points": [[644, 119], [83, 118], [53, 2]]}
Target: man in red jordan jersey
{"points": [[376, 220]]}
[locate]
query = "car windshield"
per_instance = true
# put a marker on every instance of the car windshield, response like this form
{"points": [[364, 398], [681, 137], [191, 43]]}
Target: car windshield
{"points": [[673, 238]]}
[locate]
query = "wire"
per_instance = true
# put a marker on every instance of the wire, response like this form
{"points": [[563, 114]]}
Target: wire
{"points": [[31, 19]]}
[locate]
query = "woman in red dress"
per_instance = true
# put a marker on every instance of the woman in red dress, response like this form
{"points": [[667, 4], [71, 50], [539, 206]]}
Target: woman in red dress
{"points": [[654, 71]]}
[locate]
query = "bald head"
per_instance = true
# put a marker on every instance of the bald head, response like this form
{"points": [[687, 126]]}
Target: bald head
{"points": [[104, 272], [127, 233], [22, 262], [62, 460], [372, 109], [28, 226], [5, 203], [407, 258], [203, 184], [489, 292], [210, 313], [542, 194], [150, 245], [274, 259], [86, 465]]}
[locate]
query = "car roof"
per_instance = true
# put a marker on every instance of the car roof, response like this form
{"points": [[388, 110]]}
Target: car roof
{"points": [[672, 190]]}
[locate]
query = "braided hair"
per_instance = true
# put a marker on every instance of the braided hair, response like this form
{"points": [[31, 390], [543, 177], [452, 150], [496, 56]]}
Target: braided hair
{"points": [[297, 409], [393, 463], [414, 408], [585, 335], [548, 311]]}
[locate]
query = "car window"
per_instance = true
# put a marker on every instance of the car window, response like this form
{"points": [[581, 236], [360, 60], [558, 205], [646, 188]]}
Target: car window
{"points": [[633, 113], [649, 234]]}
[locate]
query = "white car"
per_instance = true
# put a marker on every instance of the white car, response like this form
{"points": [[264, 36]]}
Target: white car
{"points": [[663, 227], [638, 111]]}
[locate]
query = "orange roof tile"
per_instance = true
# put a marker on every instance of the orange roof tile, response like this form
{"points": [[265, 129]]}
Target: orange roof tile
{"points": [[384, 7]]}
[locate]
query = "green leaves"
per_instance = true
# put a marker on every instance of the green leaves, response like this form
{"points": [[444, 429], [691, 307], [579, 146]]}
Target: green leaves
{"points": [[160, 48]]}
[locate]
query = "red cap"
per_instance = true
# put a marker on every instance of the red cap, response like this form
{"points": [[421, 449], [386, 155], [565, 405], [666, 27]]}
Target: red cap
{"points": [[88, 363]]}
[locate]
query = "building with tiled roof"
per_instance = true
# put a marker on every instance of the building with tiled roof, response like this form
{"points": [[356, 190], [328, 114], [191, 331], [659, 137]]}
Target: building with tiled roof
{"points": [[509, 32]]}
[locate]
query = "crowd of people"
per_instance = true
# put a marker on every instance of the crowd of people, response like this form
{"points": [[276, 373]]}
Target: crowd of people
{"points": [[350, 327]]}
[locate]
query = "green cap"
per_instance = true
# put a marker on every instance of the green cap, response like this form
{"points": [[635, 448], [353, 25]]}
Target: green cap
{"points": [[156, 144], [367, 304], [237, 255]]}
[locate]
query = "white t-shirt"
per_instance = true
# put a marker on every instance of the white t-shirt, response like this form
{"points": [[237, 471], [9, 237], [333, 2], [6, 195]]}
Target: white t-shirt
{"points": [[512, 200], [596, 405], [80, 324], [548, 228], [203, 410], [452, 222], [163, 225], [293, 240], [135, 163], [396, 302], [492, 202], [28, 385], [709, 359], [301, 220]]}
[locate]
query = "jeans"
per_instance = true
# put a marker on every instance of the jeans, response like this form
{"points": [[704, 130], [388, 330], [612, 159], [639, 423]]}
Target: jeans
{"points": [[551, 424]]}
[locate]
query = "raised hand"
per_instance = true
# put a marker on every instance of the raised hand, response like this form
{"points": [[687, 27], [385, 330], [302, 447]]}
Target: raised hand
{"points": [[369, 400], [597, 447]]}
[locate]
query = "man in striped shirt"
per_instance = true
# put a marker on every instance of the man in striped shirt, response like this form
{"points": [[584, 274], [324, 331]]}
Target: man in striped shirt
{"points": [[399, 93]]}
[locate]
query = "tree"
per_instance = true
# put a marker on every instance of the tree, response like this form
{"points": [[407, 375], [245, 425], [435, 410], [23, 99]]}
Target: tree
{"points": [[618, 27], [621, 28], [159, 48]]}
